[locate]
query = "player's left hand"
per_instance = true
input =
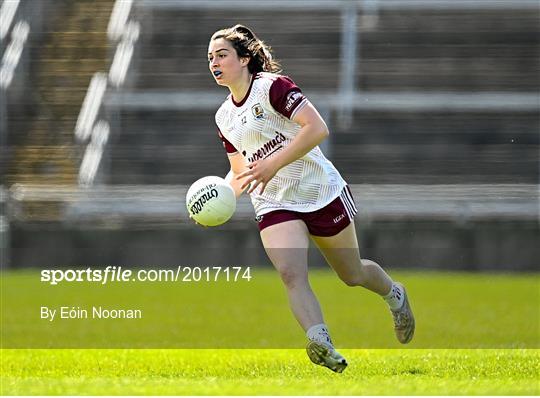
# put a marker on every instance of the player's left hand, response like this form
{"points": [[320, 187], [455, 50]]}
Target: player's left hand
{"points": [[260, 172]]}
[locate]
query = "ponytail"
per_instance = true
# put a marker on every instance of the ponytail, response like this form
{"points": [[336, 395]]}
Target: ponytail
{"points": [[248, 45]]}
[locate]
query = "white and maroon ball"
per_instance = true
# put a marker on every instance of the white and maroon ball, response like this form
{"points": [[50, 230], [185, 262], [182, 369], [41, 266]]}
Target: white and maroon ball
{"points": [[211, 201]]}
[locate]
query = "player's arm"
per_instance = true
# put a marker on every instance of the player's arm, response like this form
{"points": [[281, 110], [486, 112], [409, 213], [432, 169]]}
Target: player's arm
{"points": [[238, 166], [313, 131]]}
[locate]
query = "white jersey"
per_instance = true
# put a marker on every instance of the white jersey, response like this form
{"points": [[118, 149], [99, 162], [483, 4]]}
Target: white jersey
{"points": [[260, 126]]}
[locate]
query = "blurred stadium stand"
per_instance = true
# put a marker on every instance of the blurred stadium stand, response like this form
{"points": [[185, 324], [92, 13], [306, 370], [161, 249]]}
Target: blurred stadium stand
{"points": [[67, 45], [433, 108]]}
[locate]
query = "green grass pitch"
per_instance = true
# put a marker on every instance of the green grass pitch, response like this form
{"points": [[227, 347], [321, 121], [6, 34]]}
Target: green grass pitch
{"points": [[269, 372], [478, 334]]}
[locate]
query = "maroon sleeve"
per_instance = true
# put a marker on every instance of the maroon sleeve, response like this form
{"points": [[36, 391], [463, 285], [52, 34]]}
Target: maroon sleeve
{"points": [[285, 96], [226, 144]]}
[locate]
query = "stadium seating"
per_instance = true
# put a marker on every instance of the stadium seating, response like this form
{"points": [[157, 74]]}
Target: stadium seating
{"points": [[451, 50], [165, 147], [174, 44], [439, 147], [68, 45], [408, 51]]}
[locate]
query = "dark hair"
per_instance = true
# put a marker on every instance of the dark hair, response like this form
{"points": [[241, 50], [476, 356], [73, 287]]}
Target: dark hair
{"points": [[248, 45]]}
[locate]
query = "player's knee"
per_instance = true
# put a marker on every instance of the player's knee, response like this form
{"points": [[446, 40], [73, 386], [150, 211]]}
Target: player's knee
{"points": [[368, 264], [359, 277], [354, 275], [291, 277]]}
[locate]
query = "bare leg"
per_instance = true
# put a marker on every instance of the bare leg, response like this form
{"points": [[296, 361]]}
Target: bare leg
{"points": [[286, 245], [343, 255]]}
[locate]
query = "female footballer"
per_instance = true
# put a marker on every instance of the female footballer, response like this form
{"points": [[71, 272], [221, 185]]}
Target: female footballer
{"points": [[271, 134]]}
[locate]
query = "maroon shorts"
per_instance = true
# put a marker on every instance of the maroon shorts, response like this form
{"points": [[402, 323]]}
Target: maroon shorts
{"points": [[328, 221]]}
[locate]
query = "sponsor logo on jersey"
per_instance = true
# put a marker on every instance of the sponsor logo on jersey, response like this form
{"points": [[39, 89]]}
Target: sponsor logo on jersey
{"points": [[258, 111], [292, 98], [268, 148]]}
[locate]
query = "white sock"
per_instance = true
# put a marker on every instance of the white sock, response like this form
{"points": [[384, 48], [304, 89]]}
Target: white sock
{"points": [[319, 333], [395, 298]]}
